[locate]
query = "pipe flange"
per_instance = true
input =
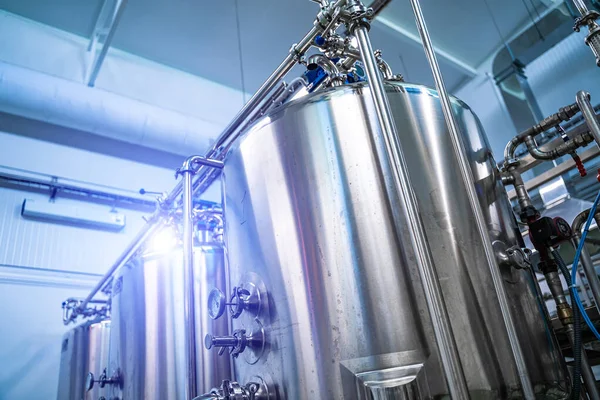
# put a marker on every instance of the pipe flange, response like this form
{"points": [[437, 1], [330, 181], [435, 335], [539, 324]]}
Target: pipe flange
{"points": [[588, 18], [260, 387], [256, 343]]}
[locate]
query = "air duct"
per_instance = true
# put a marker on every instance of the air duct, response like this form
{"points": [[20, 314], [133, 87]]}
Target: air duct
{"points": [[43, 97]]}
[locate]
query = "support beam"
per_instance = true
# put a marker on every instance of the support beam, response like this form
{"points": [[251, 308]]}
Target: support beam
{"points": [[104, 30], [446, 56]]}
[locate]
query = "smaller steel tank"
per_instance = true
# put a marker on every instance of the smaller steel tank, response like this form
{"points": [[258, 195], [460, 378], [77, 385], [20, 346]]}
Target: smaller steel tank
{"points": [[84, 355], [148, 335]]}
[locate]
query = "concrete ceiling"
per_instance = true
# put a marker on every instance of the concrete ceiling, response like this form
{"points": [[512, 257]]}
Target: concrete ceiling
{"points": [[219, 40]]}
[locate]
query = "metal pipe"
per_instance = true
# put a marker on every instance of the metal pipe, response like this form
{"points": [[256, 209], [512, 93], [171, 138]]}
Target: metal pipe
{"points": [[384, 67], [565, 314], [378, 5], [581, 7], [563, 114], [554, 172], [469, 183], [586, 259], [187, 172], [560, 150], [330, 68], [589, 379], [147, 230], [232, 131], [520, 188], [433, 293], [295, 53], [583, 101]]}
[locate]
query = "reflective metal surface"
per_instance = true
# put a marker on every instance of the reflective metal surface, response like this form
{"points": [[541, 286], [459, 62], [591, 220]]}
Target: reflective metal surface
{"points": [[309, 212], [148, 335], [84, 350]]}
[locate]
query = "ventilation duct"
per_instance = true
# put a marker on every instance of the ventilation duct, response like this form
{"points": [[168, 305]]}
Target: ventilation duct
{"points": [[43, 97]]}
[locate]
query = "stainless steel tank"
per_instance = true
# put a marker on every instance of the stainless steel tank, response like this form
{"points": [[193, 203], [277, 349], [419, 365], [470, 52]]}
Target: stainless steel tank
{"points": [[337, 296], [148, 336], [84, 351]]}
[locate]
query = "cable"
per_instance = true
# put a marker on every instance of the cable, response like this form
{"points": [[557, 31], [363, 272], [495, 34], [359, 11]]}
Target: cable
{"points": [[587, 319], [577, 347]]}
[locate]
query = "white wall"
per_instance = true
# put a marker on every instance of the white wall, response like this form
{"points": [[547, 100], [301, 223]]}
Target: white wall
{"points": [[556, 76], [31, 331], [41, 264], [482, 95]]}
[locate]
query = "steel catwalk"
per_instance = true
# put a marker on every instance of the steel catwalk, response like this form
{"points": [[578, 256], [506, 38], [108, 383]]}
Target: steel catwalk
{"points": [[309, 211], [148, 336]]}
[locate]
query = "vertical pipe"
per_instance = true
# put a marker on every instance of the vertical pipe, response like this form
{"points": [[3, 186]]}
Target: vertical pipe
{"points": [[583, 101], [581, 7], [589, 379], [188, 281], [588, 269], [433, 293], [469, 182], [556, 288]]}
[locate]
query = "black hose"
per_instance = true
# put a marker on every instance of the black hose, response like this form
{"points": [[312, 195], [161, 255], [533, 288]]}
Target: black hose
{"points": [[577, 349]]}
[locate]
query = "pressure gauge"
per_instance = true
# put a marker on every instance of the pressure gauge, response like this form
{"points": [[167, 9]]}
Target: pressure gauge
{"points": [[216, 303]]}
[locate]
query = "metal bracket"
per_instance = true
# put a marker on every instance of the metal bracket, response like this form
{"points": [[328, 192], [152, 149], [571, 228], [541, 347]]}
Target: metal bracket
{"points": [[104, 31]]}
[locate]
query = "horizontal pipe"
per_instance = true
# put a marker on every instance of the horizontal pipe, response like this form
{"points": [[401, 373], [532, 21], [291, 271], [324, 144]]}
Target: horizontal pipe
{"points": [[564, 114], [557, 171], [561, 150]]}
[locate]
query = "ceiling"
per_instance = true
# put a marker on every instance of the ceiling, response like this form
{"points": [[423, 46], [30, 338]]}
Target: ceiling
{"points": [[219, 39]]}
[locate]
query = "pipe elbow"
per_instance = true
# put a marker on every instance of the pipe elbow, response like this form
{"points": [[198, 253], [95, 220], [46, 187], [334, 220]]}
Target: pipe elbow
{"points": [[330, 68], [511, 147], [578, 222], [583, 96], [537, 153], [384, 67]]}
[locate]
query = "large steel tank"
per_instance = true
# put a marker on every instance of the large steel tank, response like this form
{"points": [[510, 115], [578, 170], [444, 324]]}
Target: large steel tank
{"points": [[148, 334], [84, 354], [309, 219]]}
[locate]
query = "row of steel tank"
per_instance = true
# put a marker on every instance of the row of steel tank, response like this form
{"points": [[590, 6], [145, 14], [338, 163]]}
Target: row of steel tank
{"points": [[329, 303], [139, 351]]}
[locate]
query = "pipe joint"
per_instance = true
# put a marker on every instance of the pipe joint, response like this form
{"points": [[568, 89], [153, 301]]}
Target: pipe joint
{"points": [[565, 313], [193, 163], [332, 71]]}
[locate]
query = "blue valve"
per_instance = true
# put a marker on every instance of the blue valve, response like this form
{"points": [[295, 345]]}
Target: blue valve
{"points": [[320, 41]]}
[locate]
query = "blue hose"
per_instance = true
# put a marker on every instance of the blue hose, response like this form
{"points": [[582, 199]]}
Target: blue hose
{"points": [[573, 288]]}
